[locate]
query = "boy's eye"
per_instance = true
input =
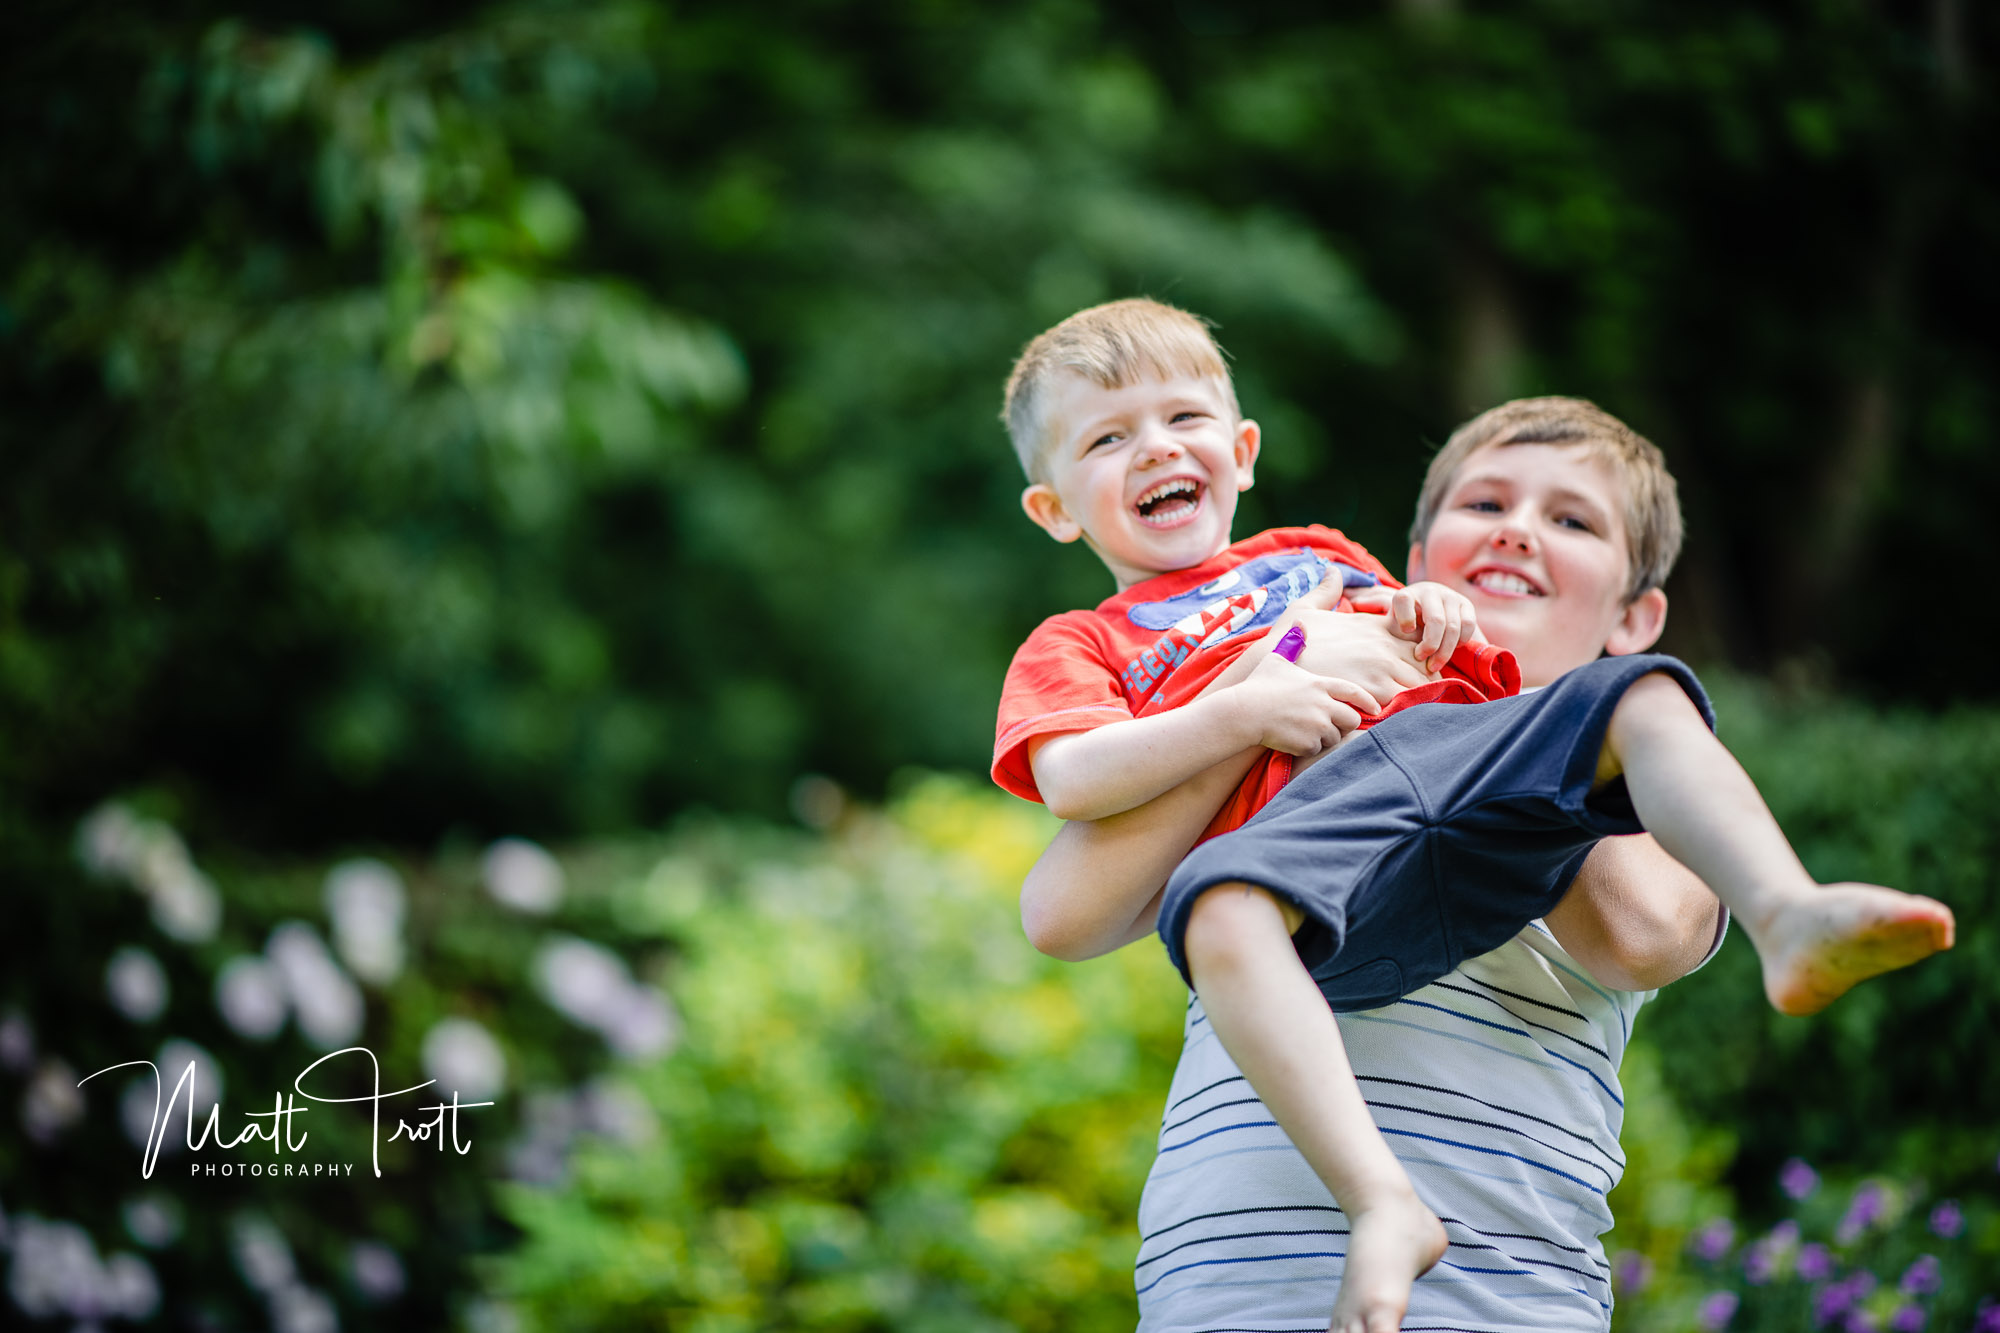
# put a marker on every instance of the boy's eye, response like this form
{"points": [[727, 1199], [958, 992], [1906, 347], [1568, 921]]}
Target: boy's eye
{"points": [[1576, 524], [1186, 416], [1112, 438], [1483, 506]]}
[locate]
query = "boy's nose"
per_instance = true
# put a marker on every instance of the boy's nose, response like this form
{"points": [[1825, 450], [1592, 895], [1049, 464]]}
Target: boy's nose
{"points": [[1511, 536], [1156, 447]]}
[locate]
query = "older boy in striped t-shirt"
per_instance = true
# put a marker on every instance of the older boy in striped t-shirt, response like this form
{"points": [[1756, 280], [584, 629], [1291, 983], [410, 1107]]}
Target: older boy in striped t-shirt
{"points": [[1333, 892]]}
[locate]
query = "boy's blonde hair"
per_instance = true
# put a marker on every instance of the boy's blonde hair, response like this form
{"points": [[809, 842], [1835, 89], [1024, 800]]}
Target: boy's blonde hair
{"points": [[1652, 502], [1111, 345]]}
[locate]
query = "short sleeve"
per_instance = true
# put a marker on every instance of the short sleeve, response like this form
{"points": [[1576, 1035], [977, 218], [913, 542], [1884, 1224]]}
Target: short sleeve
{"points": [[1060, 681]]}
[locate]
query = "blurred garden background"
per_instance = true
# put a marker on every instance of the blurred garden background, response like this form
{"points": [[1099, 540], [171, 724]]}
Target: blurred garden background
{"points": [[507, 557]]}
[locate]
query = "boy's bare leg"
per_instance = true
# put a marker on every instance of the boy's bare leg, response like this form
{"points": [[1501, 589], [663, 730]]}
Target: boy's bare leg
{"points": [[1815, 941], [1273, 1021]]}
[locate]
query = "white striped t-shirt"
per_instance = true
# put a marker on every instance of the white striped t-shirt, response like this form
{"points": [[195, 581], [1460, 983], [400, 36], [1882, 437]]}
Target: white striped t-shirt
{"points": [[1497, 1087]]}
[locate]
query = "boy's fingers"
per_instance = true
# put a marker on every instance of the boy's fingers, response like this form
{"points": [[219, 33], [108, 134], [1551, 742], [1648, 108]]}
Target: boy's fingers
{"points": [[1434, 626], [1449, 640], [1403, 610], [1325, 594], [1355, 698]]}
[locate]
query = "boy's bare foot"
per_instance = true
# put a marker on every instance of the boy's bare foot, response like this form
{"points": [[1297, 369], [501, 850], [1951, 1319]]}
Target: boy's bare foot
{"points": [[1822, 943], [1389, 1246]]}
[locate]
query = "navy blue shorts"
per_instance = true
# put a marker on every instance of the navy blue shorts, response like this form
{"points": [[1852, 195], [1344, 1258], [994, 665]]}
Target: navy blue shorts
{"points": [[1435, 836]]}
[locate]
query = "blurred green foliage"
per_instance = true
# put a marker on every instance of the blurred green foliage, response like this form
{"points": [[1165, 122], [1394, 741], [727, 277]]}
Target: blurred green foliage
{"points": [[545, 416], [427, 423], [885, 1111], [888, 1111]]}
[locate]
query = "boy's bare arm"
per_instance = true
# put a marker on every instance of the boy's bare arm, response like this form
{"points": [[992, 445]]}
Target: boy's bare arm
{"points": [[1349, 668], [1635, 917], [1110, 769], [1097, 886]]}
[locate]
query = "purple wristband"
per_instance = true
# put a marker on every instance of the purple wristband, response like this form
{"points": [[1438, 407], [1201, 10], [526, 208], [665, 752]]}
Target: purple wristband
{"points": [[1291, 643]]}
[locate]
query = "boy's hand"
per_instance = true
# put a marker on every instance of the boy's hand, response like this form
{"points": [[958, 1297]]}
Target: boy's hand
{"points": [[1292, 710], [1362, 649], [1430, 615]]}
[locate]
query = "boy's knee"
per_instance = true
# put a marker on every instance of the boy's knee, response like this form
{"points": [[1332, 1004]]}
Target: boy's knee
{"points": [[1234, 920]]}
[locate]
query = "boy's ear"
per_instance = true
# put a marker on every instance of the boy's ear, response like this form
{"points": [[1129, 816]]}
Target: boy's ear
{"points": [[1046, 509], [1249, 439], [1413, 568], [1639, 625]]}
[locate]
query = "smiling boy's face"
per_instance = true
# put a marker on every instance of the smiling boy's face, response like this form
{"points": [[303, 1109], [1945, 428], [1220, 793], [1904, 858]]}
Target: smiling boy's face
{"points": [[1147, 474], [1534, 535]]}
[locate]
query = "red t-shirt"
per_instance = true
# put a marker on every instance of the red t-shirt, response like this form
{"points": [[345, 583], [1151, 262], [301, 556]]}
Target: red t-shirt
{"points": [[1158, 644]]}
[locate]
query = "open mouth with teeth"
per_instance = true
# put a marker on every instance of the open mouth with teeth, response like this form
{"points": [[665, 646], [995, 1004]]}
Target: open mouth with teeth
{"points": [[1506, 583], [1170, 502]]}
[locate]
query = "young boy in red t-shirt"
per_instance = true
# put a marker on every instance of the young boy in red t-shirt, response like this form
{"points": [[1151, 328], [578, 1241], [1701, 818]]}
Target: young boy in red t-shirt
{"points": [[1132, 440]]}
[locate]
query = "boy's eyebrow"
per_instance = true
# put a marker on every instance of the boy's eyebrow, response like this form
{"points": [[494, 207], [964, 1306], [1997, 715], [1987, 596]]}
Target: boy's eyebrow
{"points": [[1089, 426]]}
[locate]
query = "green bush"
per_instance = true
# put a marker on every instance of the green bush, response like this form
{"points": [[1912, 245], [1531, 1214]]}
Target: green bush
{"points": [[879, 1108], [888, 1111]]}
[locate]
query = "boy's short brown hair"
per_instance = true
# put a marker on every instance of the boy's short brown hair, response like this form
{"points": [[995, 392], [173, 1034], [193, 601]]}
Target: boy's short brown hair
{"points": [[1652, 501], [1111, 345]]}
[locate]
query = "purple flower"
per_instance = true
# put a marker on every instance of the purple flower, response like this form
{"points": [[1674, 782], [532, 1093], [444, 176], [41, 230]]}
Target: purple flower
{"points": [[1632, 1271], [1863, 1212], [1764, 1259], [1717, 1309], [1797, 1179], [1815, 1263], [1712, 1241], [1987, 1318], [1907, 1319], [1837, 1300], [1860, 1321], [1832, 1302], [1921, 1277], [1947, 1220]]}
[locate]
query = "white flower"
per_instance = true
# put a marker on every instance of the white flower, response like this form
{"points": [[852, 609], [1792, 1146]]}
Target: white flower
{"points": [[378, 1273], [325, 999], [137, 984], [115, 843], [185, 903], [299, 1309], [592, 986], [522, 876], [153, 1219], [17, 1042], [130, 1289], [586, 981], [489, 1316], [52, 1103], [137, 1106], [540, 1155], [262, 1255], [250, 992], [173, 1060], [55, 1269], [365, 901], [464, 1058], [110, 841], [618, 1113], [644, 1024]]}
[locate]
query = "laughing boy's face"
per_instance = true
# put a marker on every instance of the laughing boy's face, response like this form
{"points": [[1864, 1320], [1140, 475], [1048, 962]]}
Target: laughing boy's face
{"points": [[1146, 474]]}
